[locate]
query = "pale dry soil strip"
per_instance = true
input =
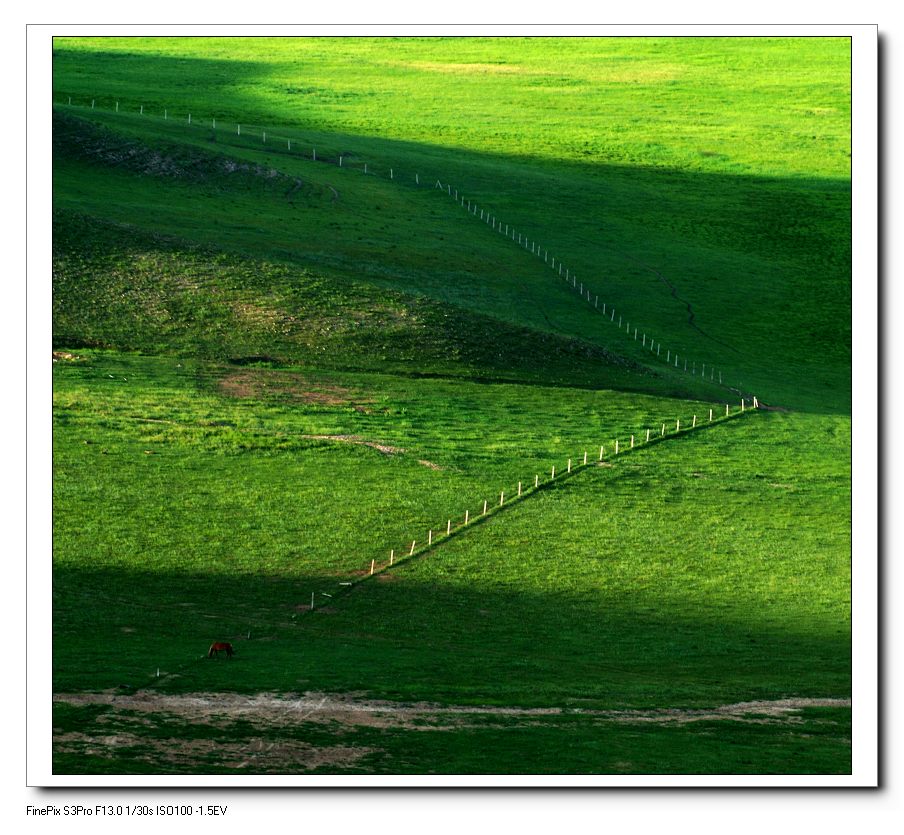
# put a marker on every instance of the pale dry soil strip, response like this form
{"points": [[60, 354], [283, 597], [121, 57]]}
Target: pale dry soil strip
{"points": [[269, 708]]}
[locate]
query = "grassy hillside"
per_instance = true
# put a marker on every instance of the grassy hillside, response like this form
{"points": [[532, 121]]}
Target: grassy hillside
{"points": [[274, 369], [758, 247]]}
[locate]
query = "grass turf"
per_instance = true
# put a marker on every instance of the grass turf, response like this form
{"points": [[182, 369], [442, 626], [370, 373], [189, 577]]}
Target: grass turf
{"points": [[701, 186]]}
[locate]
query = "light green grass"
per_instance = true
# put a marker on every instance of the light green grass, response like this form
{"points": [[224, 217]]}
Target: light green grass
{"points": [[226, 299]]}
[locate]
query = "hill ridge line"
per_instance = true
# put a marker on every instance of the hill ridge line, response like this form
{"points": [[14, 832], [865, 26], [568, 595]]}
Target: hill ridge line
{"points": [[337, 159]]}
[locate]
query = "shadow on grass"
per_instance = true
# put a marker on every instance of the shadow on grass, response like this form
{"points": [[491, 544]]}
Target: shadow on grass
{"points": [[763, 262]]}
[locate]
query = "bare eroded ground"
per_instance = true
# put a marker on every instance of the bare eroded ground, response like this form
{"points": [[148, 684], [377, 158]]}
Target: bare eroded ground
{"points": [[168, 731], [347, 709]]}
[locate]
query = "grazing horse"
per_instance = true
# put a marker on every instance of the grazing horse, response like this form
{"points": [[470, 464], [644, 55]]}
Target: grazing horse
{"points": [[214, 651]]}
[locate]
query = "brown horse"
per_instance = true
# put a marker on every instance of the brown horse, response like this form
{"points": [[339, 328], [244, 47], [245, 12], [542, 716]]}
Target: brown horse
{"points": [[215, 649]]}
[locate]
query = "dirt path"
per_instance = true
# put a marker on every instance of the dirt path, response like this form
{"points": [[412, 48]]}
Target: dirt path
{"points": [[271, 709]]}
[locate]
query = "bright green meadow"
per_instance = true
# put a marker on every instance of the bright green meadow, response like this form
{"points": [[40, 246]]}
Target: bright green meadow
{"points": [[273, 373]]}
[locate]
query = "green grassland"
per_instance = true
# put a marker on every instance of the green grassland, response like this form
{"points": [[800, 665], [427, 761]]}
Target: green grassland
{"points": [[273, 370]]}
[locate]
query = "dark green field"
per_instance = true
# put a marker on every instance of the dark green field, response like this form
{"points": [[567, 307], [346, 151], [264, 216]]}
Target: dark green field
{"points": [[272, 372]]}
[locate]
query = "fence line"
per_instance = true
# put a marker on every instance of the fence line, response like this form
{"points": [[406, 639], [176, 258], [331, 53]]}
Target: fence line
{"points": [[672, 359], [592, 299], [434, 536], [569, 277]]}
